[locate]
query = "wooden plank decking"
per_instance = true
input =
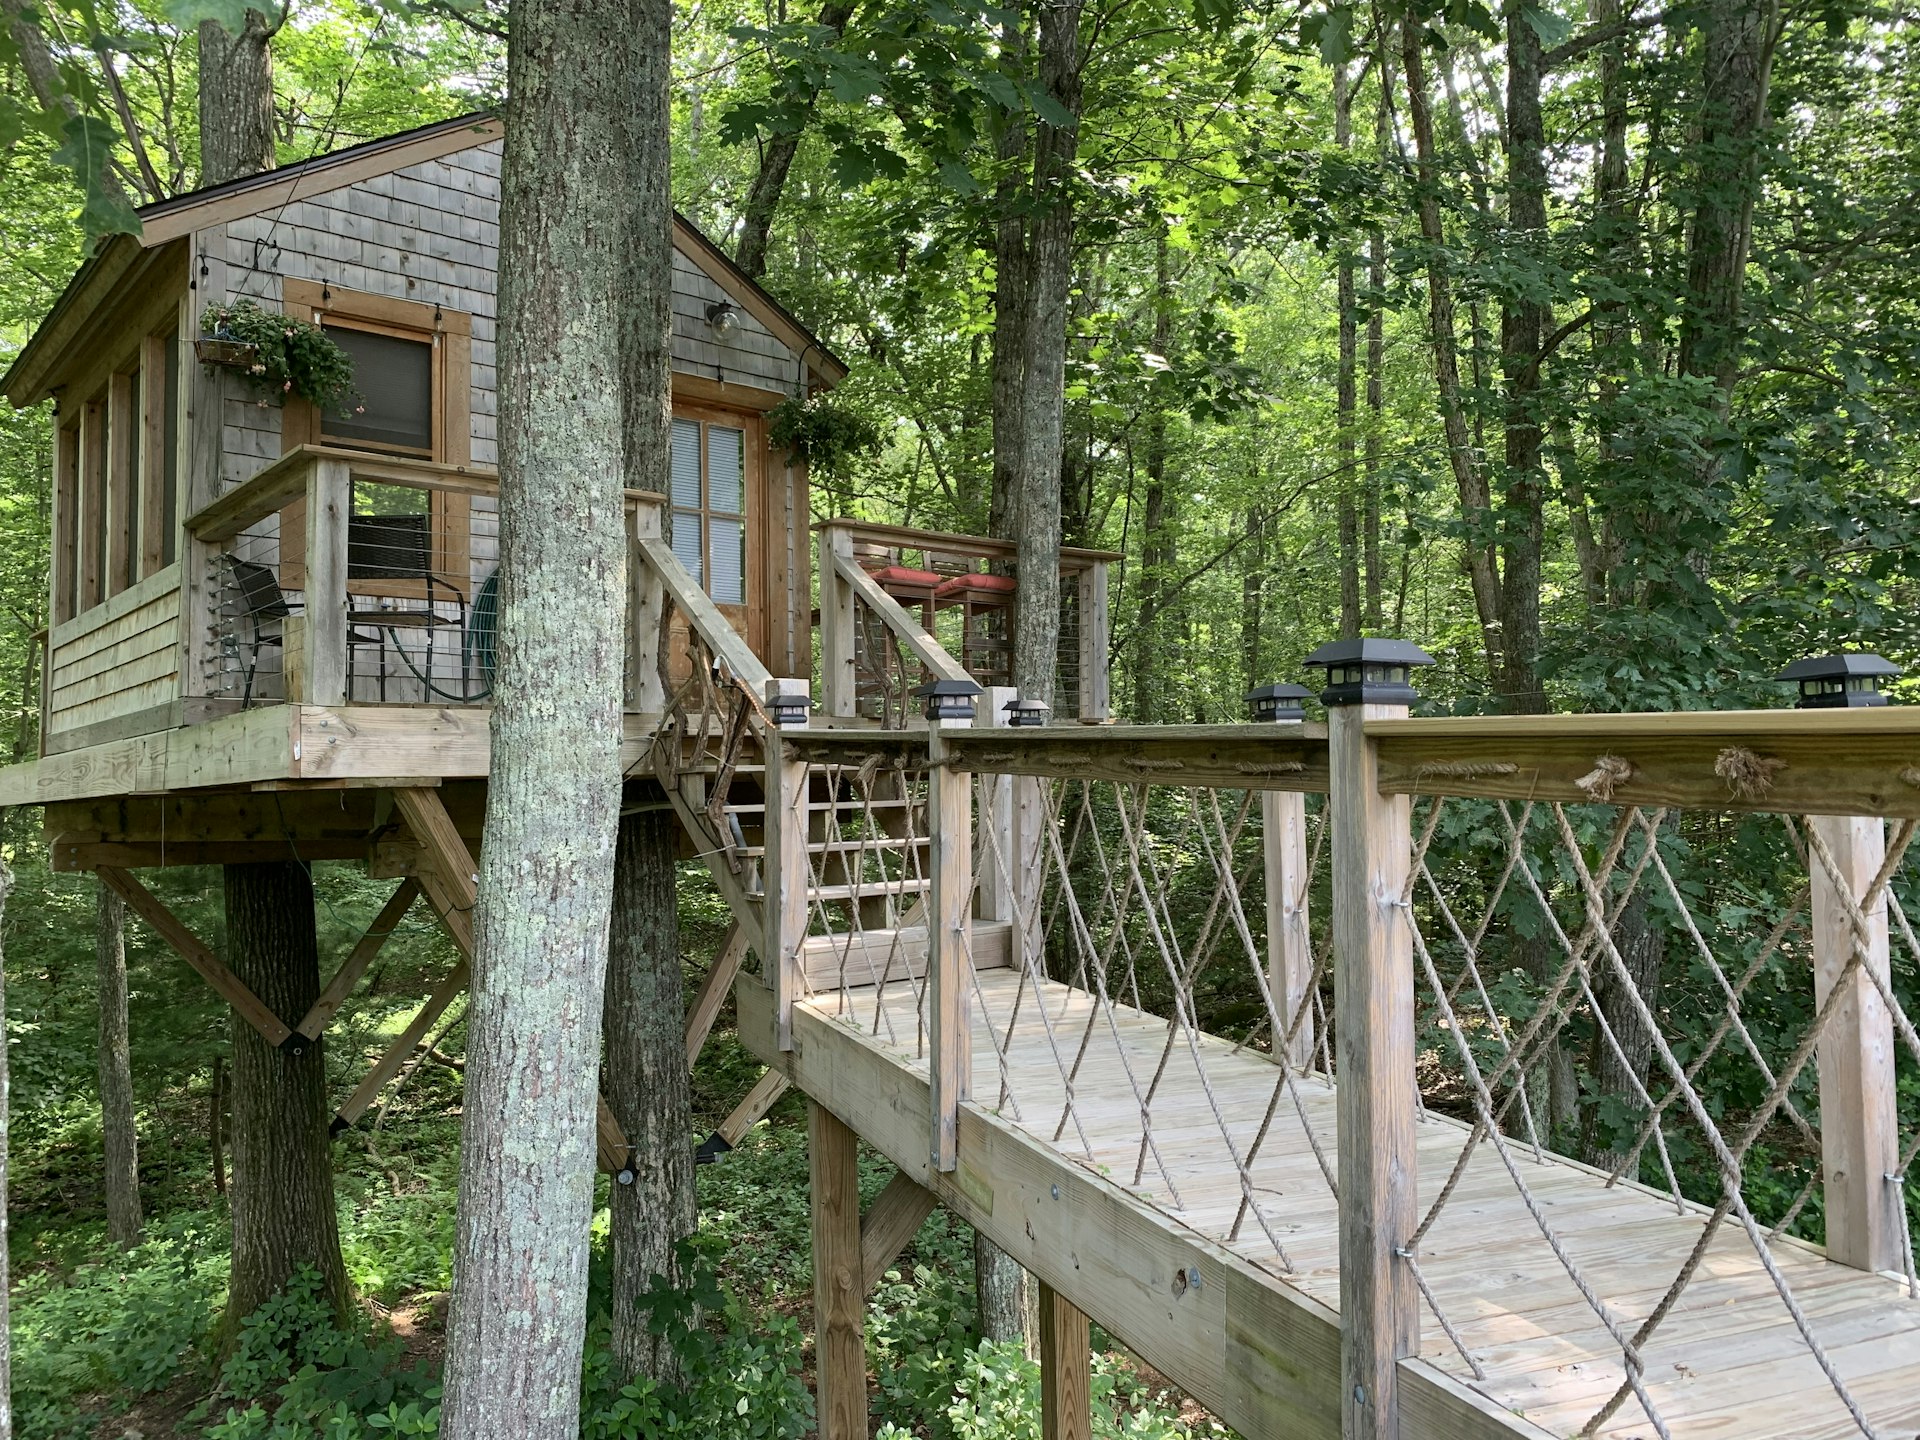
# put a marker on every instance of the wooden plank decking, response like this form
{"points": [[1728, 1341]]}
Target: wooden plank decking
{"points": [[1728, 1361]]}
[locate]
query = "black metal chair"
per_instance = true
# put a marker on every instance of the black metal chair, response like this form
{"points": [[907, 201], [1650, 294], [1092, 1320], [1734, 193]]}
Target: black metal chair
{"points": [[261, 599], [400, 547]]}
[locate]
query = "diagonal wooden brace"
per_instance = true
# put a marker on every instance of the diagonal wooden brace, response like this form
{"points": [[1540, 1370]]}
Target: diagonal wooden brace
{"points": [[715, 988], [225, 983], [893, 1219], [355, 965]]}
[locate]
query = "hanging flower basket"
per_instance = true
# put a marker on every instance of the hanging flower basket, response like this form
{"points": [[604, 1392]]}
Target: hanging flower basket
{"points": [[225, 351], [278, 355]]}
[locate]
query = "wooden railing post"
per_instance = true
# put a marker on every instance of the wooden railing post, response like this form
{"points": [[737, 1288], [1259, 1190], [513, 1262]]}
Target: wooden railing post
{"points": [[949, 924], [329, 503], [1000, 873], [647, 613], [1373, 1000], [1859, 1119], [837, 678], [1096, 704], [1283, 815], [784, 885]]}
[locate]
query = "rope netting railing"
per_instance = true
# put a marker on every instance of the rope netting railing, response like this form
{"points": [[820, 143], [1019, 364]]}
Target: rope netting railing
{"points": [[1645, 992]]}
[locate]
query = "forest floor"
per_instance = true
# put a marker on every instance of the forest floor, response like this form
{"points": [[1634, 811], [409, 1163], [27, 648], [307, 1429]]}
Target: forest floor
{"points": [[113, 1345]]}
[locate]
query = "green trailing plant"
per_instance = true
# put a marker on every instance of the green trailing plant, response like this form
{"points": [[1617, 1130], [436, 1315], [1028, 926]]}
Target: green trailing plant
{"points": [[822, 433], [290, 356]]}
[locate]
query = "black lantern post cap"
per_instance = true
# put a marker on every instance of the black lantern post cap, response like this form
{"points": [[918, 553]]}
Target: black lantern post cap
{"points": [[1840, 682], [1368, 671], [789, 702], [1278, 702], [949, 699], [1026, 712]]}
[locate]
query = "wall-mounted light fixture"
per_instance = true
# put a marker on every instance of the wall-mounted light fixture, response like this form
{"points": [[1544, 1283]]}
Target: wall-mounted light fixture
{"points": [[723, 318]]}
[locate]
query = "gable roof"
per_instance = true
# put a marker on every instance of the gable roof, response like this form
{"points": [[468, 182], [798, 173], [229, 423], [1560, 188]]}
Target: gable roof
{"points": [[179, 216]]}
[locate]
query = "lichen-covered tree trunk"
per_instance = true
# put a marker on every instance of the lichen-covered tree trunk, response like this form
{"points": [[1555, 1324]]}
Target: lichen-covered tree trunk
{"points": [[236, 99], [6, 1344], [1346, 501], [116, 1072], [1007, 375], [647, 1085], [1158, 541], [282, 1191], [567, 215]]}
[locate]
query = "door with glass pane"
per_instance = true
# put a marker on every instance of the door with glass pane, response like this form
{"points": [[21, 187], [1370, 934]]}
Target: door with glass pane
{"points": [[717, 512]]}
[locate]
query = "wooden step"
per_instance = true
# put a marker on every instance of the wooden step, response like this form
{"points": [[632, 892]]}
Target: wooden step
{"points": [[756, 807], [833, 962], [869, 889], [872, 845]]}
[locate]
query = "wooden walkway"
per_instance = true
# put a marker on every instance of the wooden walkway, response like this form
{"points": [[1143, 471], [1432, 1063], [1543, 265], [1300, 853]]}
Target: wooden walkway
{"points": [[1727, 1362]]}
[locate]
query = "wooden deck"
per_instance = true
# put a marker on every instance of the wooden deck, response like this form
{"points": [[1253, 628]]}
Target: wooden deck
{"points": [[1249, 1330]]}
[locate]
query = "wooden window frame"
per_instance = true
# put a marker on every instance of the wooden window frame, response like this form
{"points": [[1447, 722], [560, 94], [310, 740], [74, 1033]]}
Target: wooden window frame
{"points": [[66, 508], [153, 454], [750, 618], [451, 334]]}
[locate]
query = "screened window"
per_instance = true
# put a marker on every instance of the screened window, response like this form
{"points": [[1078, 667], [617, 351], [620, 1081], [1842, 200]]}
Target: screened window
{"points": [[394, 378], [709, 506]]}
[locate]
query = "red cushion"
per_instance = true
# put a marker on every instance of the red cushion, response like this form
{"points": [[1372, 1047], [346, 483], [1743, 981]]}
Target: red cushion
{"points": [[978, 584], [905, 575]]}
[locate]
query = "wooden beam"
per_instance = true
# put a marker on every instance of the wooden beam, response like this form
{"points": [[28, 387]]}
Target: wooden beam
{"points": [[949, 984], [927, 650], [1283, 817], [1245, 757], [324, 620], [838, 678], [785, 826], [122, 542], [389, 1064], [1859, 1114], [840, 1358], [728, 645], [891, 1222], [714, 988], [612, 1150], [769, 1088], [1096, 702], [1066, 1369], [348, 975], [646, 614], [1373, 980], [225, 983]]}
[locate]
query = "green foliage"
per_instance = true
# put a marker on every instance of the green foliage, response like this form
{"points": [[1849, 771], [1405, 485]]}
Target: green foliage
{"points": [[293, 356], [822, 433]]}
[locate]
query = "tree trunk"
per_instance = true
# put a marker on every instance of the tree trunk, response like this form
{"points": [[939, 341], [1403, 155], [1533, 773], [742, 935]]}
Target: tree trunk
{"points": [[6, 1343], [1036, 501], [581, 81], [1377, 352], [116, 1072], [1615, 1115], [236, 100], [770, 182], [282, 1192], [647, 1086], [1523, 325], [1346, 501], [1157, 543], [1007, 375]]}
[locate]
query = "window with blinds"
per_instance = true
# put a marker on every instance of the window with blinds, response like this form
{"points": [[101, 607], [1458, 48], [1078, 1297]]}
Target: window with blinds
{"points": [[708, 490]]}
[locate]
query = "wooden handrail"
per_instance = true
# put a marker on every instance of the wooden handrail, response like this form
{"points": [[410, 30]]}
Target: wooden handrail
{"points": [[727, 644], [927, 650], [985, 547]]}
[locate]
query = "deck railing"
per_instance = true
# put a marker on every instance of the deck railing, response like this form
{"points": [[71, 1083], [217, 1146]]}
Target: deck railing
{"points": [[1498, 971], [900, 607]]}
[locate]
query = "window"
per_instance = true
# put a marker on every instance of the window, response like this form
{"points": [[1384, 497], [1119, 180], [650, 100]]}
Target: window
{"points": [[168, 470], [708, 488], [394, 375]]}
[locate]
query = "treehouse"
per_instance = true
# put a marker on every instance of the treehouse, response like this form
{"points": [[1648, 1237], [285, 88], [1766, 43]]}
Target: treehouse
{"points": [[1203, 1025]]}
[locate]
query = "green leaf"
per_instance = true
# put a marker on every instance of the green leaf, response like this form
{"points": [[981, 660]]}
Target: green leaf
{"points": [[187, 14], [1552, 29]]}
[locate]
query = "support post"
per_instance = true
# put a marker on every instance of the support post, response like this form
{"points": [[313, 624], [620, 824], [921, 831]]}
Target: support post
{"points": [[784, 886], [837, 677], [647, 605], [949, 923], [1283, 815], [1002, 867], [329, 503], [1859, 1122], [1096, 706], [840, 1360], [1373, 982], [1066, 1370]]}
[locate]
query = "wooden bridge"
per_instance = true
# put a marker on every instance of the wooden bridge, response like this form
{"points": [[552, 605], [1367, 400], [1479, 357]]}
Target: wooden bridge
{"points": [[1244, 1040]]}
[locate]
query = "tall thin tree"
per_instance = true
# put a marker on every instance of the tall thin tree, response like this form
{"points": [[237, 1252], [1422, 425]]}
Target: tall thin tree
{"points": [[117, 1129]]}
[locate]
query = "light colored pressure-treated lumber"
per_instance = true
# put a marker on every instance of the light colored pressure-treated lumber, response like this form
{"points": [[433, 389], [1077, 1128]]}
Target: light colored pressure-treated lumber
{"points": [[927, 650], [1859, 1114], [647, 604], [355, 965], [949, 918], [1373, 983], [784, 878], [205, 963], [1095, 682], [840, 1359], [714, 988], [728, 645], [832, 962], [324, 620], [1283, 818], [611, 1148], [994, 896], [1066, 1369], [397, 1054], [769, 1088], [837, 674], [891, 1221], [1253, 757]]}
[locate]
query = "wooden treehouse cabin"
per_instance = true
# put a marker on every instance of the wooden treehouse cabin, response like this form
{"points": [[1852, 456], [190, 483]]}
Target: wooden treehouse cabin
{"points": [[1002, 953]]}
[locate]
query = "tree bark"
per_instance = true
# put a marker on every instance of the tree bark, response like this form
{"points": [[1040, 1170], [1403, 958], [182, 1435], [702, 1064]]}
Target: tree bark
{"points": [[116, 1072], [236, 100], [647, 1086], [1157, 542], [1049, 280], [6, 1286], [1618, 1076], [1346, 501], [776, 160], [282, 1191], [581, 82], [1376, 352], [1008, 371]]}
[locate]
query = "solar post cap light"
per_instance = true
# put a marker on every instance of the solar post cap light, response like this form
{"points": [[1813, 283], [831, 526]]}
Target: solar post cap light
{"points": [[1368, 671], [1278, 703], [1021, 712], [1839, 682], [949, 699]]}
